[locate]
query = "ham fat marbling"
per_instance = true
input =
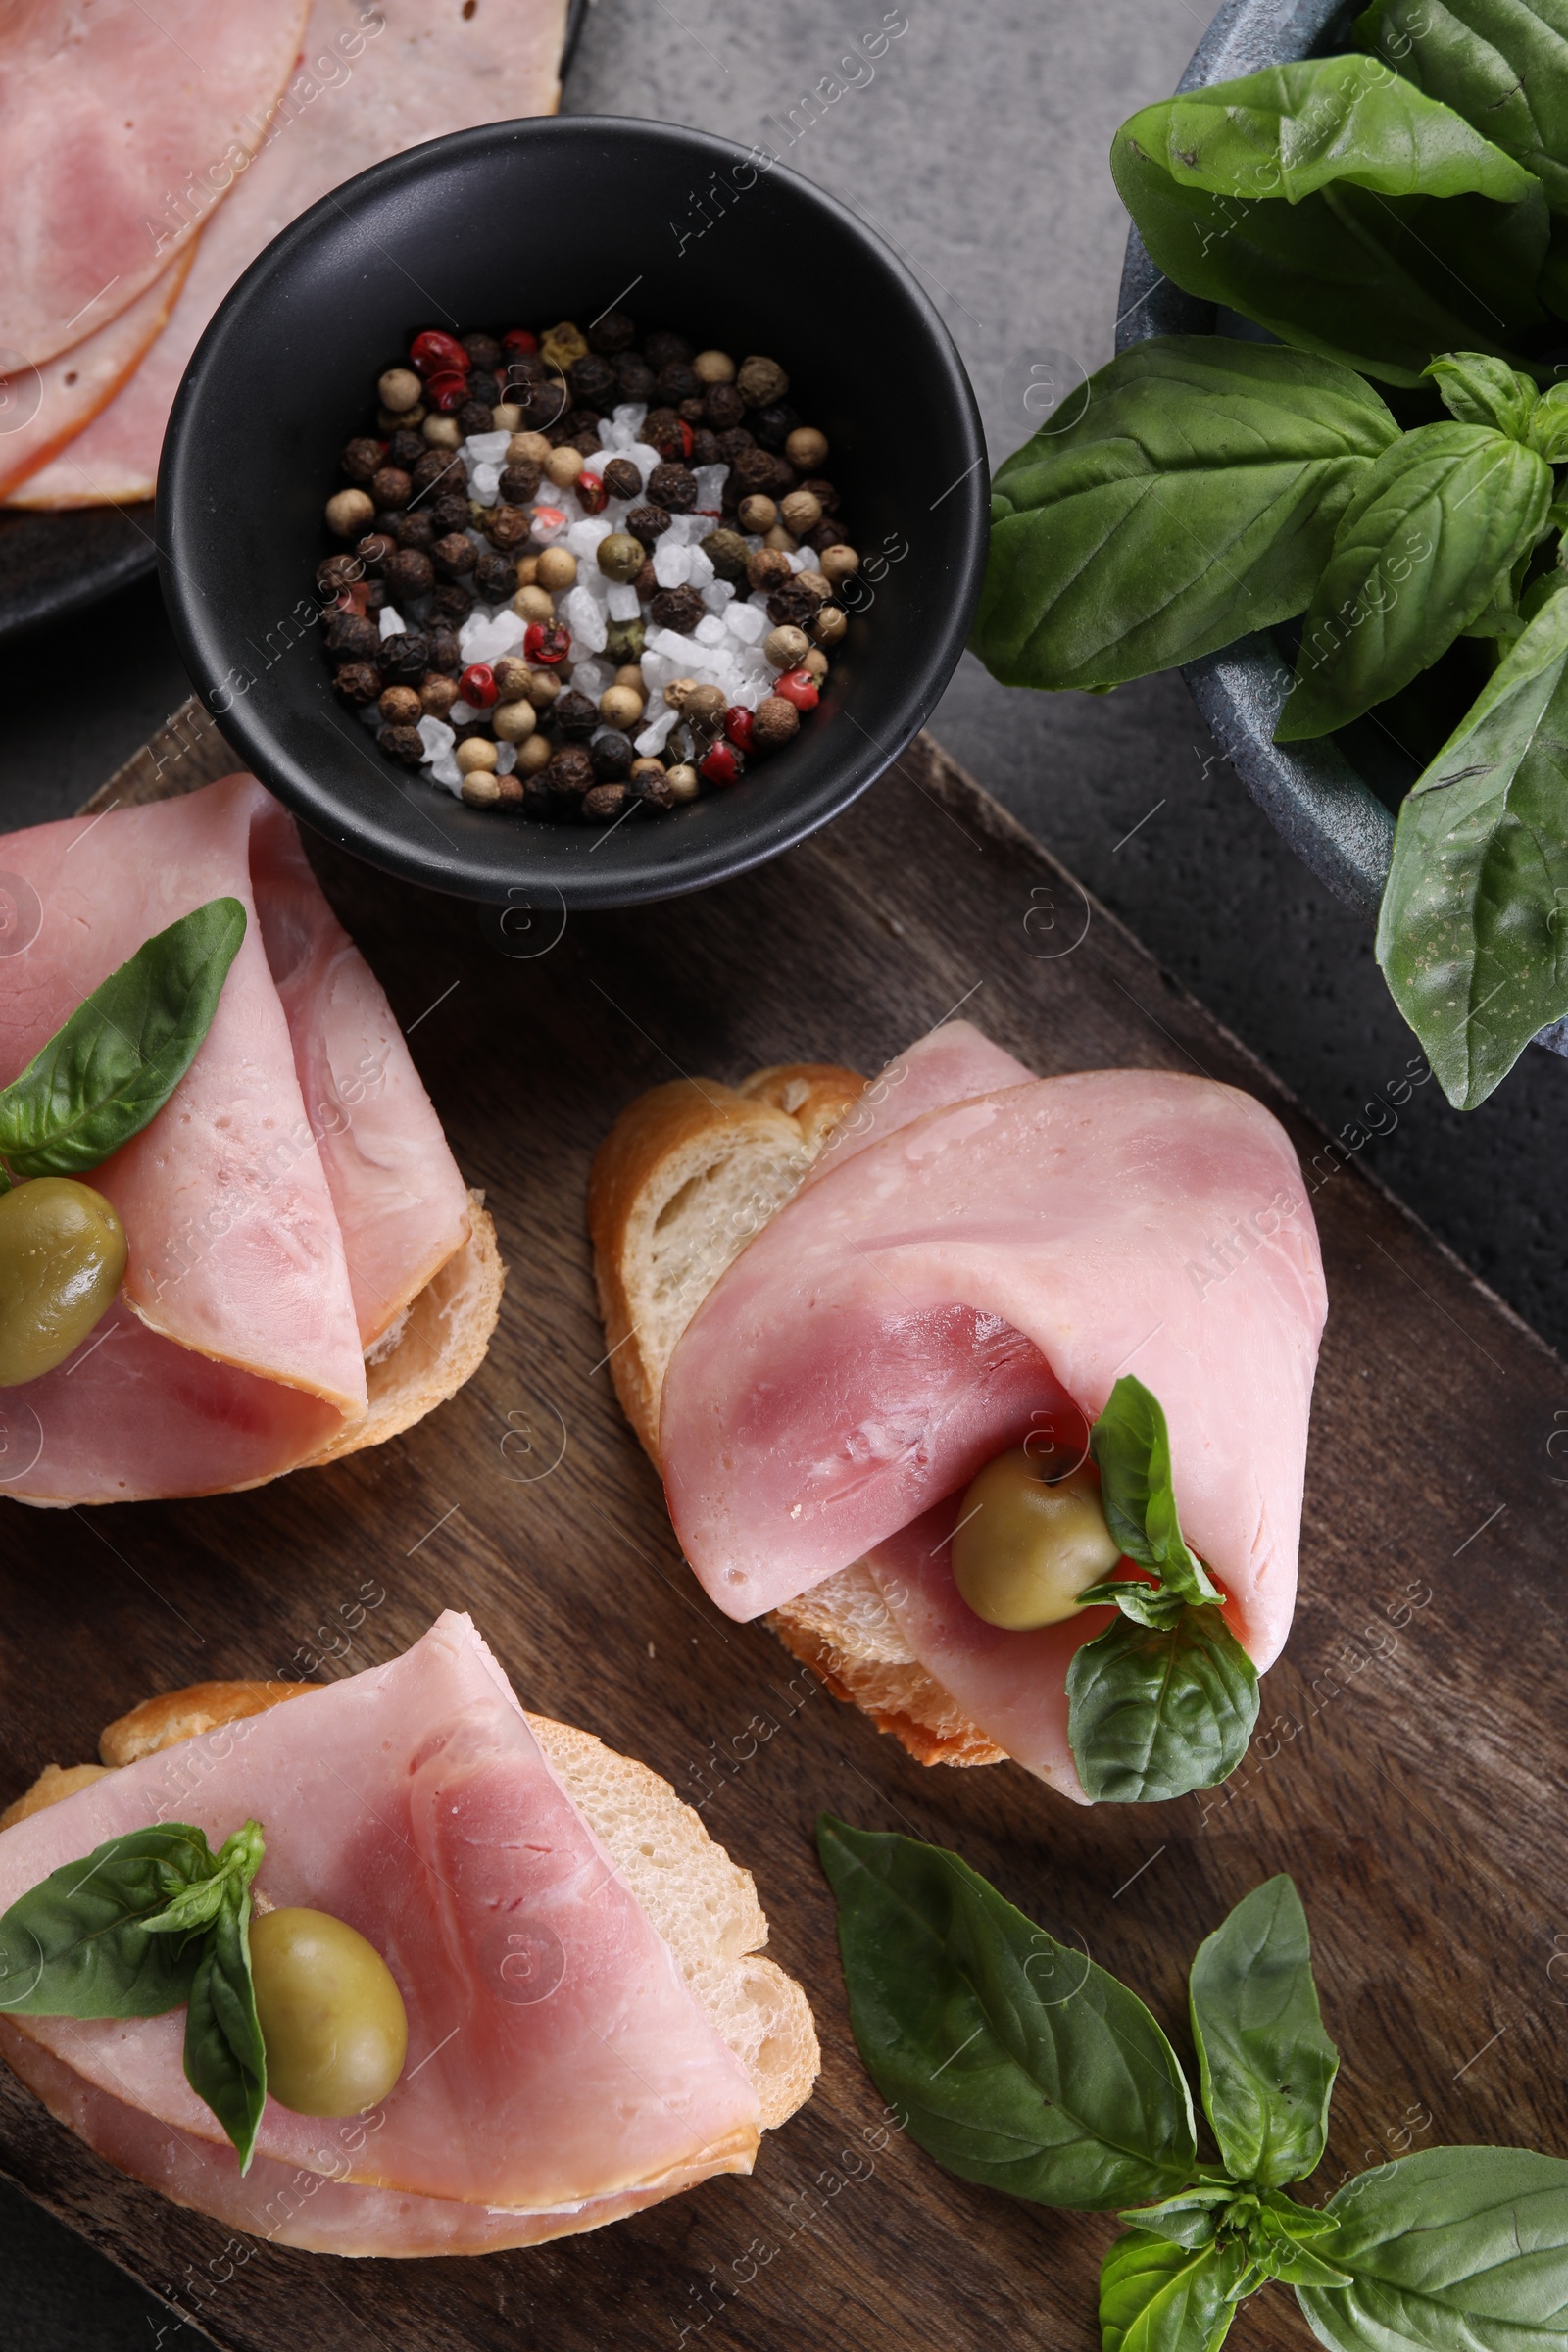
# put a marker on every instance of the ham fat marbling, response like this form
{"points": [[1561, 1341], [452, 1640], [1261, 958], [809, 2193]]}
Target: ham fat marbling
{"points": [[978, 1255], [283, 1209], [560, 2072]]}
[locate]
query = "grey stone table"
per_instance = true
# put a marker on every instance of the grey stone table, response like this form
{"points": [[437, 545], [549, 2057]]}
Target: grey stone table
{"points": [[978, 147]]}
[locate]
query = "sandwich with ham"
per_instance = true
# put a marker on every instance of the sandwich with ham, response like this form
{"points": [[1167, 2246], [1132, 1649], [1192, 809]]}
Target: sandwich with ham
{"points": [[989, 1391], [294, 1267], [544, 2001]]}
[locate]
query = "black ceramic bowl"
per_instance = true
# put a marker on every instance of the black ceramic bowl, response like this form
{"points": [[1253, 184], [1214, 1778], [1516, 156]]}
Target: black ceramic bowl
{"points": [[526, 224]]}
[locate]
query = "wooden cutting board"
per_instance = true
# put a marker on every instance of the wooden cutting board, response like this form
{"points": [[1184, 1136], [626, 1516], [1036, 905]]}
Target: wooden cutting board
{"points": [[1408, 1768]]}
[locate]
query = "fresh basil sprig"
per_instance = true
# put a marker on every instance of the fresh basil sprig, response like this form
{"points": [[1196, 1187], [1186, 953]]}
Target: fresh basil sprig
{"points": [[109, 1071], [1502, 64], [148, 1921], [1164, 1701], [1452, 2250]]}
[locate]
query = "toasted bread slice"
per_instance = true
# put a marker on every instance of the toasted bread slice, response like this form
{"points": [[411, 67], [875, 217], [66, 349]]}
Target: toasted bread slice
{"points": [[685, 1177], [702, 1904]]}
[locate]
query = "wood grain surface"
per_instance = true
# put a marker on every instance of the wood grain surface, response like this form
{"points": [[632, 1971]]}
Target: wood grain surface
{"points": [[1408, 1764]]}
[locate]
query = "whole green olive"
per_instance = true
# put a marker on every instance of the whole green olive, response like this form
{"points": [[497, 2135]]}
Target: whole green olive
{"points": [[1024, 1549], [62, 1258], [332, 2016]]}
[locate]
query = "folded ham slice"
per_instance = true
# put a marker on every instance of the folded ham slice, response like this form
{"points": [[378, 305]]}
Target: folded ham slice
{"points": [[237, 1348], [70, 388], [373, 82], [560, 2071], [121, 127], [980, 1256]]}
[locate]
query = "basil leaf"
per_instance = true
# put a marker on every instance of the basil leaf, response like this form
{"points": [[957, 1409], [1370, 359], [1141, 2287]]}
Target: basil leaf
{"points": [[1017, 2062], [80, 1942], [1189, 2219], [115, 1063], [1144, 1605], [1548, 432], [1131, 1448], [1502, 64], [1472, 934], [1155, 1714], [225, 2059], [1339, 207], [1428, 538], [1479, 390], [1159, 2297], [1452, 2250], [1267, 2066], [1194, 499]]}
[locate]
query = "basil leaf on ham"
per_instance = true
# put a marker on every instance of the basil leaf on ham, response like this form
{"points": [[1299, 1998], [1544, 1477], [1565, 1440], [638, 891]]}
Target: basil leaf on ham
{"points": [[1131, 1448], [113, 1065], [148, 1921], [1157, 1711], [1267, 2066], [1016, 2062]]}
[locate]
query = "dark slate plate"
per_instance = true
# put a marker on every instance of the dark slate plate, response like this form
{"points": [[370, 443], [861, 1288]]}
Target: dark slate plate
{"points": [[52, 565]]}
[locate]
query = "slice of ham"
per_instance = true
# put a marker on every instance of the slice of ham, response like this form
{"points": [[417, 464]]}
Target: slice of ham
{"points": [[376, 81], [557, 2056], [982, 1258], [237, 1350], [70, 388], [122, 128]]}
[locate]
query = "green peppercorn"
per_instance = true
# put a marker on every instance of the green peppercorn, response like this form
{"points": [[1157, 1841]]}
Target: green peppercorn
{"points": [[727, 552], [620, 555]]}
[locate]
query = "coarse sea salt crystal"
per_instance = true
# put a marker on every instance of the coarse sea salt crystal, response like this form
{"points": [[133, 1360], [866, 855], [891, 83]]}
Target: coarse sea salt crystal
{"points": [[463, 712], [484, 484], [436, 736], [710, 630], [718, 596], [803, 558], [654, 737], [744, 621], [584, 616], [590, 679], [671, 563], [710, 480], [700, 571], [673, 643], [445, 770], [622, 601], [584, 537], [630, 414], [506, 758], [392, 623], [645, 457], [485, 449], [486, 636], [549, 524]]}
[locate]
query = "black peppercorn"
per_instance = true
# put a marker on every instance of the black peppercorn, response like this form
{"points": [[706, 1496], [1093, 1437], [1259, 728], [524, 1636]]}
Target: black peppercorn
{"points": [[648, 523], [371, 554], [403, 745], [507, 528], [361, 459], [677, 609], [496, 577], [645, 583], [662, 349], [476, 416], [593, 383], [661, 431], [621, 479], [390, 486], [762, 382], [704, 448], [350, 634], [449, 512], [723, 407], [519, 482], [410, 572], [540, 405], [442, 647], [405, 657], [826, 497], [574, 716], [732, 441], [357, 682], [792, 607], [612, 332], [338, 572], [774, 425], [612, 755], [752, 472], [483, 350], [587, 441], [434, 466], [828, 533], [571, 769], [690, 412], [652, 786], [676, 383], [406, 449], [727, 552], [634, 377], [372, 596], [604, 803], [483, 387], [454, 556], [417, 528], [675, 487], [453, 602]]}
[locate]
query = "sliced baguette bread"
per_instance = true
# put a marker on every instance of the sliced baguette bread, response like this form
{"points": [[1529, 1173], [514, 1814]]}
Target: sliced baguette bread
{"points": [[685, 1177], [702, 1904]]}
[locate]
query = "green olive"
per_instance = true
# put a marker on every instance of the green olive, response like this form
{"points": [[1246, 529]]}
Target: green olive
{"points": [[332, 2016], [61, 1256], [1025, 1548]]}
